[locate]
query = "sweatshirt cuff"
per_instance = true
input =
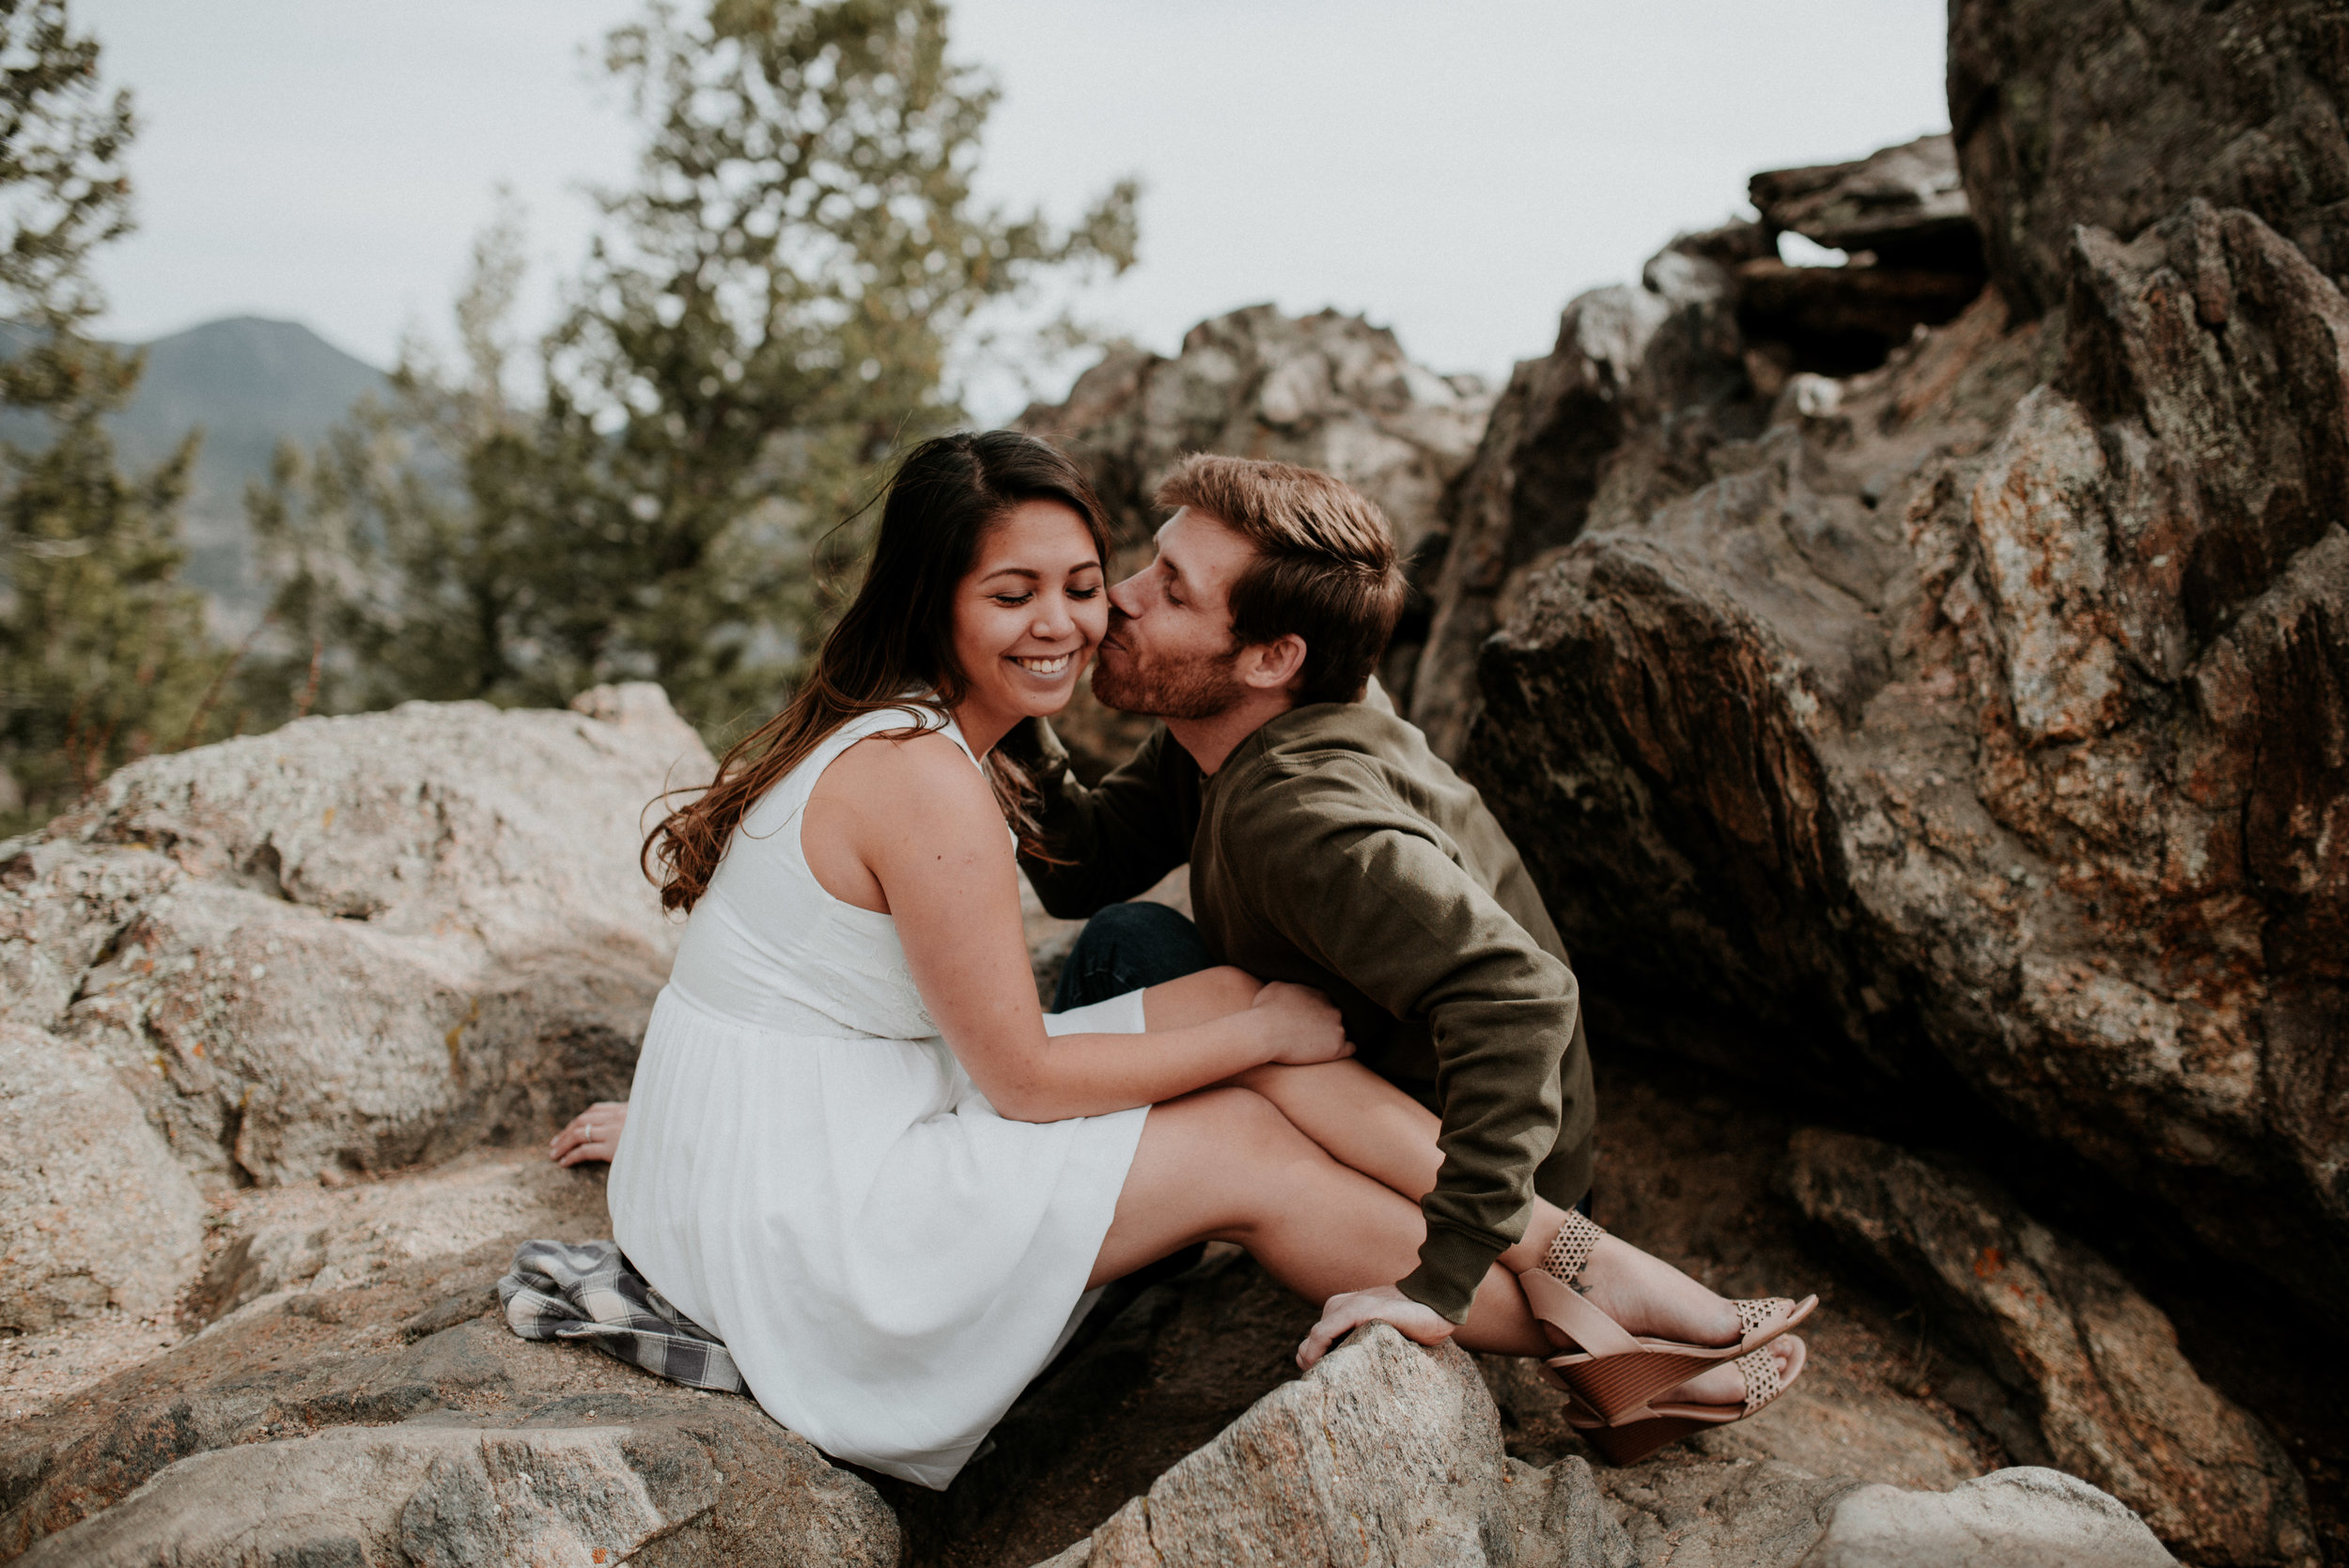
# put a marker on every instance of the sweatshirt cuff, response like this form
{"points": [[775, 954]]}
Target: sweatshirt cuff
{"points": [[1452, 1263]]}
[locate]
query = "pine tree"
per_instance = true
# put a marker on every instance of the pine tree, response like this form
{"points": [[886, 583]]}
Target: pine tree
{"points": [[769, 310], [103, 654]]}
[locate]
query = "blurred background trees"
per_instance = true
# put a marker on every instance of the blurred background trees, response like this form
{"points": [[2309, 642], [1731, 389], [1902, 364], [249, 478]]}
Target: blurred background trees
{"points": [[665, 486], [103, 654]]}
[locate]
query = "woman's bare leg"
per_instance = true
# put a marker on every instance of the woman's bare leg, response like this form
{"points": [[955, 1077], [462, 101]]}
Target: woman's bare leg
{"points": [[1223, 1165], [1369, 1125], [1362, 1119]]}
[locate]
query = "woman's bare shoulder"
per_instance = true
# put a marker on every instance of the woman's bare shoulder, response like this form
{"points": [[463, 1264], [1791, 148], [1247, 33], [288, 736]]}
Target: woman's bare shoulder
{"points": [[929, 772]]}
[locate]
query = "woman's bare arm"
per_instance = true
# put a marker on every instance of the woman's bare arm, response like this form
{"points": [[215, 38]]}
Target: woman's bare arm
{"points": [[924, 828]]}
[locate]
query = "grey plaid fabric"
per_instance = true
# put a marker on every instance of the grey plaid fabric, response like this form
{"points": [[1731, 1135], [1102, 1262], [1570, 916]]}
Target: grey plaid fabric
{"points": [[588, 1290]]}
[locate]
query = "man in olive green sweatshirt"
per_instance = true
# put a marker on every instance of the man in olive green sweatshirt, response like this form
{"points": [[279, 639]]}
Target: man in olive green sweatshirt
{"points": [[1328, 846]]}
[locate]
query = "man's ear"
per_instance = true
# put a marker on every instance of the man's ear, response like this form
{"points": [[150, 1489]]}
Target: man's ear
{"points": [[1271, 666]]}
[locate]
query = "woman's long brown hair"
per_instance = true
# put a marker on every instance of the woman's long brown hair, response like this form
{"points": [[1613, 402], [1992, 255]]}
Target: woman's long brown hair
{"points": [[893, 646]]}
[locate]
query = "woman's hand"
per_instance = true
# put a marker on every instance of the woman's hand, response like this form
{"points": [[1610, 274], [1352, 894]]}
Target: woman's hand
{"points": [[1343, 1313], [1306, 1025], [594, 1134]]}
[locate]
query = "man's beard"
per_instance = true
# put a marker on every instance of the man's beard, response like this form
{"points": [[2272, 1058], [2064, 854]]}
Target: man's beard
{"points": [[1198, 687]]}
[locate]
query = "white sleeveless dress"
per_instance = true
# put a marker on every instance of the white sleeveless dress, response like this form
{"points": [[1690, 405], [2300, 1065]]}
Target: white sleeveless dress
{"points": [[809, 1173]]}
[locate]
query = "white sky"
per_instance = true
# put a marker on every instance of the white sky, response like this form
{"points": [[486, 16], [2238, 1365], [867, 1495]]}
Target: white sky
{"points": [[1456, 168]]}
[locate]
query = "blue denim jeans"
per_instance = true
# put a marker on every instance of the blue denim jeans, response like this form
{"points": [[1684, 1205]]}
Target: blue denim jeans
{"points": [[1126, 947]]}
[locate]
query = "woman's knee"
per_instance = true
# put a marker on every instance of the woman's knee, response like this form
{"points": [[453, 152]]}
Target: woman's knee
{"points": [[1250, 1128]]}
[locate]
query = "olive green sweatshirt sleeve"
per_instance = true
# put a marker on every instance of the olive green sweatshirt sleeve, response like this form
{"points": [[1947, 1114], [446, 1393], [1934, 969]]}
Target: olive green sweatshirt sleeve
{"points": [[1114, 840], [1369, 894]]}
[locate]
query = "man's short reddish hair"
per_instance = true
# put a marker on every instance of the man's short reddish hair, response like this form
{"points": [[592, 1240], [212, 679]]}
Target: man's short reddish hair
{"points": [[1325, 567]]}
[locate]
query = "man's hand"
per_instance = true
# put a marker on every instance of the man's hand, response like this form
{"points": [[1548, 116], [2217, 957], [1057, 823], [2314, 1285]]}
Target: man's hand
{"points": [[1342, 1314], [594, 1134]]}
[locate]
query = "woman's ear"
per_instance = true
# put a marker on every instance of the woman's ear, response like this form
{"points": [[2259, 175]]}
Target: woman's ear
{"points": [[1271, 666]]}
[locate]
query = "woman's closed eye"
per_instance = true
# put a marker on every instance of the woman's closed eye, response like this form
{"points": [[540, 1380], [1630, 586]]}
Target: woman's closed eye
{"points": [[1013, 602]]}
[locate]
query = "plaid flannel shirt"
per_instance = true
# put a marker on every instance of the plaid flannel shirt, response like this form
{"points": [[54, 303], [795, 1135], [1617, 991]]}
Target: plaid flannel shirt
{"points": [[588, 1290]]}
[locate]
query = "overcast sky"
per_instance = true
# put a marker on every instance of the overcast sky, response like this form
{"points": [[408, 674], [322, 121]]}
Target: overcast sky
{"points": [[1456, 169]]}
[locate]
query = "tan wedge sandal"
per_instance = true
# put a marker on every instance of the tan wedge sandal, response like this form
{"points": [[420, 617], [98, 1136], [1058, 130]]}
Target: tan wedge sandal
{"points": [[1612, 1372], [1645, 1430]]}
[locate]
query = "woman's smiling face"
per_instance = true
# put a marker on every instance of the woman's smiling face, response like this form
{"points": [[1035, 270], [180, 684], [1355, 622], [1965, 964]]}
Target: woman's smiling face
{"points": [[1028, 617]]}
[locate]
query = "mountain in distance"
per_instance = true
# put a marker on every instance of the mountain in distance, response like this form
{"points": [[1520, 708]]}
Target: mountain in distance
{"points": [[249, 384]]}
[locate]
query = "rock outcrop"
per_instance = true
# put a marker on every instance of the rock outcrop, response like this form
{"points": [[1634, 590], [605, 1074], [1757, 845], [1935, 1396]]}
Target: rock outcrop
{"points": [[2089, 1376], [2113, 115], [1329, 391], [275, 1242], [1389, 1453], [2018, 1518], [1763, 1515], [1915, 257], [1657, 370], [357, 943], [1646, 386], [1903, 205], [94, 1212], [1385, 1452], [1984, 748], [400, 1420]]}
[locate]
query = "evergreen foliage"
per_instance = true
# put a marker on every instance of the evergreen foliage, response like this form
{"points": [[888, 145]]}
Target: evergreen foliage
{"points": [[103, 654], [768, 311]]}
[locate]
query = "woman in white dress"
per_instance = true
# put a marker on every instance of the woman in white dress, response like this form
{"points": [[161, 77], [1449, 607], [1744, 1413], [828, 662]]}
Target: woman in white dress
{"points": [[856, 1148]]}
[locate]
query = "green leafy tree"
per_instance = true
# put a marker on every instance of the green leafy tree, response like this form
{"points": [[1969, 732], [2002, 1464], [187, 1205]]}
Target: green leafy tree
{"points": [[103, 654], [769, 310]]}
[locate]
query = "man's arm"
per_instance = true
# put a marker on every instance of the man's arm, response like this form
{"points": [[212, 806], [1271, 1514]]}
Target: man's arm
{"points": [[1381, 904], [1114, 840]]}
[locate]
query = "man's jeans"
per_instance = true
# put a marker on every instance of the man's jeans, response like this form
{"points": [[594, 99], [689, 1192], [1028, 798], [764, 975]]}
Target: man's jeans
{"points": [[1126, 947]]}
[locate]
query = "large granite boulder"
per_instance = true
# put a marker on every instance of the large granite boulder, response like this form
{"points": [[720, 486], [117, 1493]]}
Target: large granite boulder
{"points": [[399, 1420], [1759, 1514], [359, 942], [1385, 1452], [2089, 1377], [2113, 114], [1986, 753], [94, 1212]]}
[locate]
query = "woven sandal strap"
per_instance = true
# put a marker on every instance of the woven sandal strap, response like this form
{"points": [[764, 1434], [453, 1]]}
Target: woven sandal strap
{"points": [[1759, 1368], [1754, 1315], [1570, 1248]]}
